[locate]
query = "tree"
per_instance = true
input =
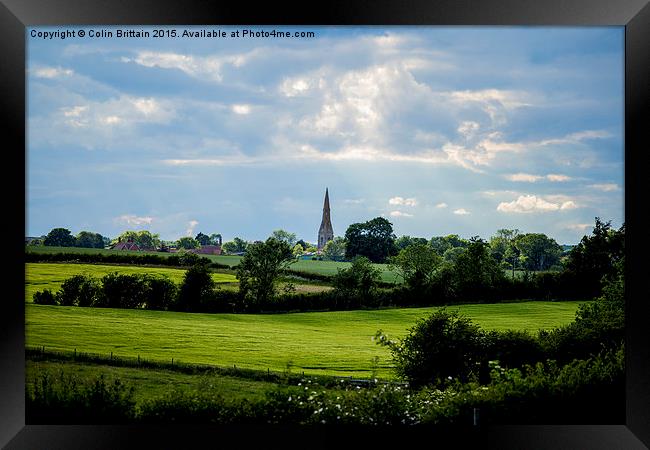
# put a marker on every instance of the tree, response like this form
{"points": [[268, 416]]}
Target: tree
{"points": [[87, 239], [443, 243], [203, 239], [503, 247], [373, 239], [303, 244], [540, 251], [215, 239], [197, 289], [259, 269], [237, 245], [284, 236], [358, 281], [60, 237], [596, 256], [404, 241], [335, 249], [297, 250], [476, 271], [416, 264], [143, 239], [187, 243]]}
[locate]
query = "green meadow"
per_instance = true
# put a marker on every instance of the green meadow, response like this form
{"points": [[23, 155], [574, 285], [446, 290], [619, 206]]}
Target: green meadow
{"points": [[39, 276], [303, 265], [322, 343]]}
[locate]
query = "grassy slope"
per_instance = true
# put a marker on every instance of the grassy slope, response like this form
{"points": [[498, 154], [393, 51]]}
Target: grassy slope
{"points": [[39, 276], [334, 343]]}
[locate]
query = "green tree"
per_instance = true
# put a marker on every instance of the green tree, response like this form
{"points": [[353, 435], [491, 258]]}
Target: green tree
{"points": [[203, 239], [215, 239], [297, 250], [334, 250], [187, 243], [416, 264], [443, 243], [284, 236], [60, 237], [237, 245], [502, 246], [373, 239], [143, 239], [476, 271], [404, 241], [452, 253], [196, 290], [87, 239], [359, 281], [259, 269], [540, 251]]}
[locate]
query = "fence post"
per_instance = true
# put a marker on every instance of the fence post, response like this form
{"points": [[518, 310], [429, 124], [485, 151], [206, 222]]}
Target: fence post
{"points": [[172, 361], [476, 416], [138, 359], [111, 356], [75, 353]]}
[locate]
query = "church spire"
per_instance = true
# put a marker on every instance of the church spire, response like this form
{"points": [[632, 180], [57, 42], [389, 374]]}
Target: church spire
{"points": [[325, 232]]}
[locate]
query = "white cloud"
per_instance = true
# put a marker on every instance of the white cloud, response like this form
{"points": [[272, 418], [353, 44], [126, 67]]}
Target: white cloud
{"points": [[191, 225], [468, 128], [52, 72], [403, 201], [353, 201], [524, 177], [131, 219], [605, 187], [557, 177], [579, 226], [400, 214], [532, 204], [441, 205], [241, 109], [461, 212]]}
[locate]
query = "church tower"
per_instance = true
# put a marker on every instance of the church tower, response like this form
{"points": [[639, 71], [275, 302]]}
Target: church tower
{"points": [[325, 232]]}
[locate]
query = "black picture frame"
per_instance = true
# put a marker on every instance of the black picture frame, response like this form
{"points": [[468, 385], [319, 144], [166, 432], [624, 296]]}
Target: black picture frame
{"points": [[16, 15]]}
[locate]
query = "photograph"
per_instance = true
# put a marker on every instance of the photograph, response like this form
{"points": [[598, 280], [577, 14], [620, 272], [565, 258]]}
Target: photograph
{"points": [[324, 226]]}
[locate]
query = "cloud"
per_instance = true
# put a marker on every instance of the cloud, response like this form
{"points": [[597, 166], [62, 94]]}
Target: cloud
{"points": [[461, 212], [441, 205], [353, 201], [605, 187], [400, 214], [52, 72], [203, 67], [133, 220], [403, 201], [191, 225], [241, 109], [529, 178], [579, 226], [532, 204]]}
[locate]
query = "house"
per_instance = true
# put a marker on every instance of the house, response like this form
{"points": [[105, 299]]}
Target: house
{"points": [[207, 250], [128, 245]]}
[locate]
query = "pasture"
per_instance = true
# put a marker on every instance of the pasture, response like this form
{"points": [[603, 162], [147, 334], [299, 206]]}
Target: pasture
{"points": [[39, 276], [323, 343], [318, 267]]}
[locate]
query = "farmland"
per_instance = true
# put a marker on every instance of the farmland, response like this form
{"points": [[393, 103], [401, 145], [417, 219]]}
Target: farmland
{"points": [[309, 266], [334, 343]]}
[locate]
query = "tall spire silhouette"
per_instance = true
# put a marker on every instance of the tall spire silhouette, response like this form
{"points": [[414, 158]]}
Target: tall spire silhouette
{"points": [[325, 232]]}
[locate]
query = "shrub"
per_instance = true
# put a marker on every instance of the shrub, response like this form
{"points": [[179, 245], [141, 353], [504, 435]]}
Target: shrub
{"points": [[357, 284], [59, 398], [123, 290], [44, 297], [443, 345], [160, 292], [79, 290]]}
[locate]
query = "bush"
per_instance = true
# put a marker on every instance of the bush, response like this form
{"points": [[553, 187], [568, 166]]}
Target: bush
{"points": [[123, 290], [442, 346], [59, 398], [44, 297], [160, 292], [79, 290]]}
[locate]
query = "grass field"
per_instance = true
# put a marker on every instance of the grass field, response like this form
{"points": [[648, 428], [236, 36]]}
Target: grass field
{"points": [[328, 343], [39, 276], [319, 267]]}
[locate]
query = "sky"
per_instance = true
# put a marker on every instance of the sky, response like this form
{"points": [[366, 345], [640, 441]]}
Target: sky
{"points": [[441, 130]]}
